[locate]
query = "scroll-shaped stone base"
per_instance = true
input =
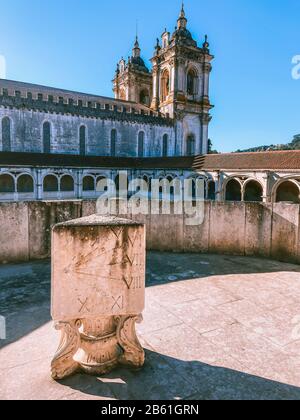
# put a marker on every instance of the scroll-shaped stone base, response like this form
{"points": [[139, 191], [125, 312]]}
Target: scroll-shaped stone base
{"points": [[97, 346]]}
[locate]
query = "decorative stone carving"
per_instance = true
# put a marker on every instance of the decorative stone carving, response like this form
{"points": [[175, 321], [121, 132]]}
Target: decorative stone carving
{"points": [[98, 294]]}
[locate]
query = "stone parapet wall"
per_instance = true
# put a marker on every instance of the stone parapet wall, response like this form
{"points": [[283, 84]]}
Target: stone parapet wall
{"points": [[82, 108], [252, 229]]}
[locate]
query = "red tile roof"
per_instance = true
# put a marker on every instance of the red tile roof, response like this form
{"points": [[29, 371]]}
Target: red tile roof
{"points": [[279, 160]]}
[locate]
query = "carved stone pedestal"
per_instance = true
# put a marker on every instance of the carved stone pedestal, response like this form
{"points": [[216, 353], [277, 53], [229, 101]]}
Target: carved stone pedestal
{"points": [[98, 292]]}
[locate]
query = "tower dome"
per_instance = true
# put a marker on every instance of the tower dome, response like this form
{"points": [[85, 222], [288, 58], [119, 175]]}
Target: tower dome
{"points": [[136, 59], [182, 35]]}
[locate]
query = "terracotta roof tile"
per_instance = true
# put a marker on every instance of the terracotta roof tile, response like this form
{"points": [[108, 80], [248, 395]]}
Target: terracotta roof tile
{"points": [[279, 160]]}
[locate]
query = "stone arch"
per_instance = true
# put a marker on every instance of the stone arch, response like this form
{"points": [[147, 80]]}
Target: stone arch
{"points": [[7, 184], [192, 81], [46, 134], [141, 144], [82, 140], [6, 134], [287, 190], [88, 183], [211, 190], [233, 190], [99, 179], [165, 85], [144, 97], [67, 183], [253, 191], [25, 184], [50, 183]]}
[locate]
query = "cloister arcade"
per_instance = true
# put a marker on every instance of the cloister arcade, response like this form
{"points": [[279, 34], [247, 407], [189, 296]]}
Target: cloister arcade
{"points": [[47, 184]]}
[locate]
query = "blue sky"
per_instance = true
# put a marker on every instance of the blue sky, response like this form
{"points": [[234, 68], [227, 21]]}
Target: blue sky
{"points": [[75, 44]]}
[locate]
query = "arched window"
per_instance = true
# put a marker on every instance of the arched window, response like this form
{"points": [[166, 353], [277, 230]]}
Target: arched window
{"points": [[6, 134], [144, 97], [165, 85], [88, 183], [141, 144], [50, 184], [172, 189], [192, 82], [253, 191], [7, 184], [82, 140], [46, 137], [113, 142], [67, 183], [288, 191], [25, 184], [165, 145], [191, 145], [233, 191], [211, 191], [100, 181]]}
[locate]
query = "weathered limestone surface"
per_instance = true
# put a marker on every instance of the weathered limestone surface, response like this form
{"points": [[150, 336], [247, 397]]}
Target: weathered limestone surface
{"points": [[285, 231], [98, 293], [258, 232], [14, 232], [227, 228], [259, 229]]}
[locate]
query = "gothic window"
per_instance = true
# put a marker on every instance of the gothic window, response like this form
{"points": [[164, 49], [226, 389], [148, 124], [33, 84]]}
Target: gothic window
{"points": [[6, 134], [144, 97], [165, 85], [46, 137], [165, 145], [113, 142], [141, 144], [192, 82], [82, 140], [191, 145]]}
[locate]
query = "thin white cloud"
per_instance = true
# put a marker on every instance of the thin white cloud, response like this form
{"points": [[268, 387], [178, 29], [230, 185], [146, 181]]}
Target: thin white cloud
{"points": [[2, 67]]}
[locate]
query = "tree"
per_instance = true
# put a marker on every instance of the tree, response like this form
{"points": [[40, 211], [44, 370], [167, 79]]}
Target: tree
{"points": [[210, 148]]}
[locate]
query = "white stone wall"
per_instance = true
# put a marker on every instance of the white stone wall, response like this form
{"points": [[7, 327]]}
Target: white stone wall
{"points": [[27, 126]]}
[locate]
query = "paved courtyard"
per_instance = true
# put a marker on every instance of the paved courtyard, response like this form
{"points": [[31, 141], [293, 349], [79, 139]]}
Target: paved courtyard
{"points": [[215, 327]]}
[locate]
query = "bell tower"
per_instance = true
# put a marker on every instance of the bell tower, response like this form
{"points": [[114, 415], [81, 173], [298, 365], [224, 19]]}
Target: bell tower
{"points": [[181, 71], [133, 81]]}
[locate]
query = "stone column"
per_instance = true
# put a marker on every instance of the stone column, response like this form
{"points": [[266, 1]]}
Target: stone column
{"points": [[39, 185], [98, 294], [155, 99]]}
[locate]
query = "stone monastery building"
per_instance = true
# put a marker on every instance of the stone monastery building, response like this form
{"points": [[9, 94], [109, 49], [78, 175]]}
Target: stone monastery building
{"points": [[56, 144]]}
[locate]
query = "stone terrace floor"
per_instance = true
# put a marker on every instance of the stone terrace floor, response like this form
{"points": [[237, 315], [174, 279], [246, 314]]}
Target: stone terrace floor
{"points": [[215, 327]]}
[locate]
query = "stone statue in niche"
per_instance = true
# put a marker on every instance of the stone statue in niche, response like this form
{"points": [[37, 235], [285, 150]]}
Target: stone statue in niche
{"points": [[98, 294]]}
